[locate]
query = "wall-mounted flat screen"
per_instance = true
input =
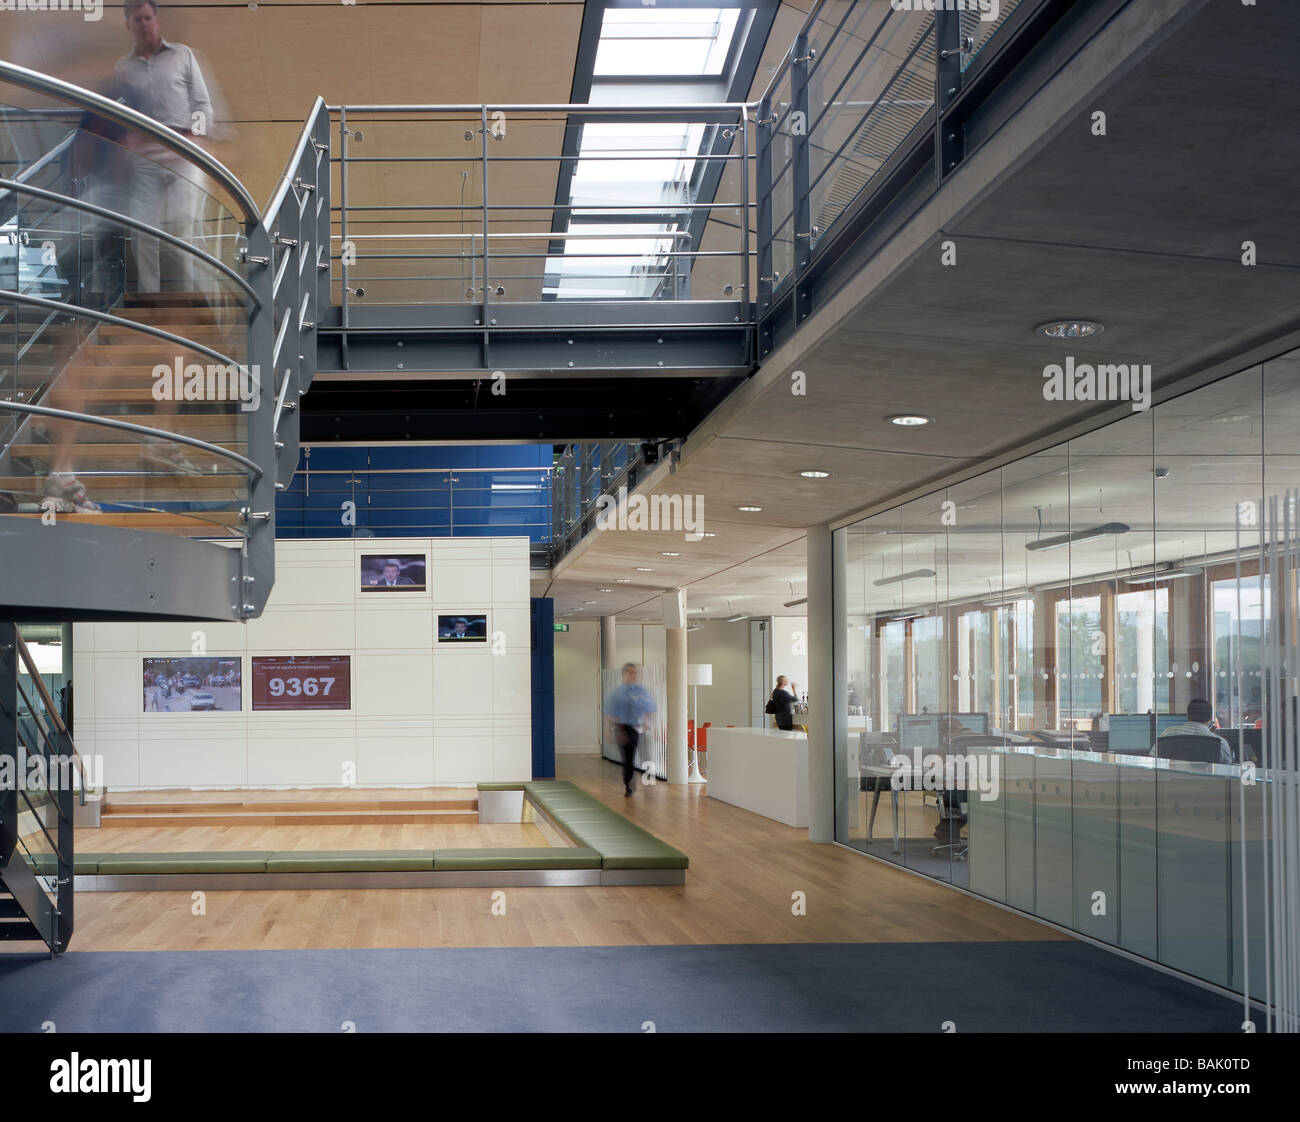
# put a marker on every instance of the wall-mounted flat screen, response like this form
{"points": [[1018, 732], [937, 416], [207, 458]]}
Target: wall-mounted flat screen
{"points": [[294, 682], [192, 685], [403, 572], [469, 627]]}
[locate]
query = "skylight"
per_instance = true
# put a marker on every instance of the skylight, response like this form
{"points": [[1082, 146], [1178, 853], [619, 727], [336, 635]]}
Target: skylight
{"points": [[673, 42]]}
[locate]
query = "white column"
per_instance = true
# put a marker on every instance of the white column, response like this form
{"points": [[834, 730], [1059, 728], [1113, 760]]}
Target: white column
{"points": [[608, 642], [676, 658], [822, 722]]}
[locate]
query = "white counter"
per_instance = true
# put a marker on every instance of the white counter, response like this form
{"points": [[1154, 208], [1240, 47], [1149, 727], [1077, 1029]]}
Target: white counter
{"points": [[763, 770]]}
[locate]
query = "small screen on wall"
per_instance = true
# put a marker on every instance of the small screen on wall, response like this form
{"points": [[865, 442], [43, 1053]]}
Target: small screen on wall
{"points": [[298, 683], [468, 628], [388, 573], [192, 685]]}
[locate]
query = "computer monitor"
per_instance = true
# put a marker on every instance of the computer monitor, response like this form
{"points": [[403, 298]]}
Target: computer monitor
{"points": [[1130, 734], [918, 730]]}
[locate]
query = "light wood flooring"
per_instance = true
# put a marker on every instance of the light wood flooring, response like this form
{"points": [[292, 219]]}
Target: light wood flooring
{"points": [[744, 872]]}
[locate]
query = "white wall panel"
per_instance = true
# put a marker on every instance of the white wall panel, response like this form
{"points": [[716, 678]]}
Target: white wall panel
{"points": [[421, 713]]}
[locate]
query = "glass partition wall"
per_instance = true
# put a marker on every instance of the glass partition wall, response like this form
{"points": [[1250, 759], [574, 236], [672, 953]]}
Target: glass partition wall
{"points": [[1016, 644]]}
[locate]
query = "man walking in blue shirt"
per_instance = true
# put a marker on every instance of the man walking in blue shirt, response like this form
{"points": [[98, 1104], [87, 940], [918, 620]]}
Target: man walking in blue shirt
{"points": [[626, 709]]}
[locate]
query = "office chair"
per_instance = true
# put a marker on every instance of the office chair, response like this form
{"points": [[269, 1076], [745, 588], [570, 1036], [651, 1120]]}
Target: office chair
{"points": [[1191, 749]]}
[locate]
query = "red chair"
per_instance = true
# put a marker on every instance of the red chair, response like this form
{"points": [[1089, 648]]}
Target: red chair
{"points": [[703, 746], [690, 734]]}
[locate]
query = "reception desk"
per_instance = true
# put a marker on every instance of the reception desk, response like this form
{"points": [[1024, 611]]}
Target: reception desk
{"points": [[763, 770]]}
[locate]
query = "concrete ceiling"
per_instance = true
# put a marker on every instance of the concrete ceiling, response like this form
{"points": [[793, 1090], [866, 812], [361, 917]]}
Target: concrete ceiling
{"points": [[1141, 229]]}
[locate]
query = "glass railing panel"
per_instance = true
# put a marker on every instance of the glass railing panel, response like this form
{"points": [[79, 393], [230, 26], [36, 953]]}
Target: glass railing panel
{"points": [[866, 95], [982, 31], [62, 470]]}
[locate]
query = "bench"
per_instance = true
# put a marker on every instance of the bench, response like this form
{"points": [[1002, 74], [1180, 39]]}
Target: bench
{"points": [[606, 849]]}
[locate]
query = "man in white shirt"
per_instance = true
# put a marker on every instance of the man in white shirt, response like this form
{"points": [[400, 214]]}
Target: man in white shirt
{"points": [[162, 80], [1199, 715]]}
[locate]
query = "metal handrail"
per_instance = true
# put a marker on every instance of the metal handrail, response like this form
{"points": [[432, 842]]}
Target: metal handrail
{"points": [[135, 224], [285, 183], [131, 426], [695, 108], [137, 122]]}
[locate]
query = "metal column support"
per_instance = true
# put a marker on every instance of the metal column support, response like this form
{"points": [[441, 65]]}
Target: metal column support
{"points": [[257, 558], [950, 47], [8, 739], [801, 171], [763, 218], [487, 280]]}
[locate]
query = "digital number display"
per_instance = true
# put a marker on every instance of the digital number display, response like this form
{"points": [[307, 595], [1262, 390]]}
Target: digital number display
{"points": [[302, 683]]}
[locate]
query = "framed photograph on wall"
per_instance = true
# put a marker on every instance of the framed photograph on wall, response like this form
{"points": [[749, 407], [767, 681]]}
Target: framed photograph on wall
{"points": [[463, 627], [192, 685], [300, 683], [386, 572]]}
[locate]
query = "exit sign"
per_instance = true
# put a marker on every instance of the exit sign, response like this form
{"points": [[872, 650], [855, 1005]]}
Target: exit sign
{"points": [[560, 626]]}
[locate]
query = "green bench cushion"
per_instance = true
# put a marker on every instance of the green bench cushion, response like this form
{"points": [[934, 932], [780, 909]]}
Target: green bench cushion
{"points": [[113, 864], [350, 861], [524, 857], [500, 786], [620, 843], [47, 865]]}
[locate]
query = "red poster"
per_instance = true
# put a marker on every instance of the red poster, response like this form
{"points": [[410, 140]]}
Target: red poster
{"points": [[298, 683]]}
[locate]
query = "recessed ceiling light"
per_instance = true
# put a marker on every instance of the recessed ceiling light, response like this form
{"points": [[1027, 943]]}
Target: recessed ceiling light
{"points": [[815, 474], [622, 580], [750, 509], [604, 590], [909, 420], [665, 553], [707, 534], [643, 569], [589, 601], [1070, 329]]}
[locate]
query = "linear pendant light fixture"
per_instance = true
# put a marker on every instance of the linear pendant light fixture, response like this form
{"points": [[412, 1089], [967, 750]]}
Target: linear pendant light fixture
{"points": [[1165, 574], [915, 574], [1090, 534]]}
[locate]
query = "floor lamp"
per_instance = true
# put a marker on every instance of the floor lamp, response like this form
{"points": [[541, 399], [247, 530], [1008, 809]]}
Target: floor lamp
{"points": [[697, 674]]}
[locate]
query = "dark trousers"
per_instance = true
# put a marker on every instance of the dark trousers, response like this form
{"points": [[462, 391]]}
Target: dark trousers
{"points": [[785, 722], [627, 737]]}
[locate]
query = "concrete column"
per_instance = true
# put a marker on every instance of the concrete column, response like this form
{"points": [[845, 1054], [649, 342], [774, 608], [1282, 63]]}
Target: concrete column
{"points": [[823, 716], [608, 642], [675, 718]]}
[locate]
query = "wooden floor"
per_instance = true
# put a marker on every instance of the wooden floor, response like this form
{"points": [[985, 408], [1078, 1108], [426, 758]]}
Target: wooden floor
{"points": [[744, 870]]}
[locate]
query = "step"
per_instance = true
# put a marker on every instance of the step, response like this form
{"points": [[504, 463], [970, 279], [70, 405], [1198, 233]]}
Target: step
{"points": [[167, 318], [122, 486], [123, 374], [293, 818], [225, 297], [212, 525], [88, 457], [206, 333], [159, 351], [270, 805], [13, 929], [9, 907]]}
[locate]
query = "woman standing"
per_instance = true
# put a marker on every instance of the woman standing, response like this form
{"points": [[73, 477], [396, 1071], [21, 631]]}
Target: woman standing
{"points": [[783, 698]]}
